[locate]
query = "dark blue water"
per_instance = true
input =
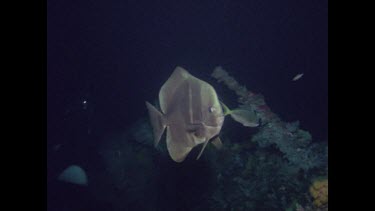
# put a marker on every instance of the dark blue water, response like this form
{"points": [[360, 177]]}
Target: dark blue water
{"points": [[105, 58]]}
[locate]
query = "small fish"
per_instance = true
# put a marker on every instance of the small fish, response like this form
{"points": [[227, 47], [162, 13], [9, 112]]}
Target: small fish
{"points": [[297, 77], [191, 113], [246, 117]]}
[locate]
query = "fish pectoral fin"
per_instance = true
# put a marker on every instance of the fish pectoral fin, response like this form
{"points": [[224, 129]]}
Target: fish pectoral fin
{"points": [[217, 142], [193, 127], [196, 129]]}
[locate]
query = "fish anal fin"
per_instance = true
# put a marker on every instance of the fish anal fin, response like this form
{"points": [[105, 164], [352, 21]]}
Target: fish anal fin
{"points": [[177, 148]]}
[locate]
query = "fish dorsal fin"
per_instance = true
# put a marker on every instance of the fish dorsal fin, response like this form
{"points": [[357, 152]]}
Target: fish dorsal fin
{"points": [[168, 89]]}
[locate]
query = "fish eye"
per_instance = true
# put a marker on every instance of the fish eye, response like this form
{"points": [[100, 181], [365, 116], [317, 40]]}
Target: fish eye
{"points": [[211, 109]]}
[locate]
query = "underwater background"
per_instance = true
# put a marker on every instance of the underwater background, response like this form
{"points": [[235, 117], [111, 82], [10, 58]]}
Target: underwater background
{"points": [[106, 58]]}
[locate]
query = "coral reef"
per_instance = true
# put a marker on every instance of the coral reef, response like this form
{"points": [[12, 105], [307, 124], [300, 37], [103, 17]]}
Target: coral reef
{"points": [[273, 175], [295, 144], [319, 191], [246, 98], [260, 180], [268, 168]]}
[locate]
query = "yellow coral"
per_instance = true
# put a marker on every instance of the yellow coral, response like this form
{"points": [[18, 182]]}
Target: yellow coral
{"points": [[319, 191]]}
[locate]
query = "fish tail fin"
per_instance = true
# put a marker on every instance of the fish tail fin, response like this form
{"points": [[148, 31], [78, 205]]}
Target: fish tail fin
{"points": [[157, 122], [226, 110]]}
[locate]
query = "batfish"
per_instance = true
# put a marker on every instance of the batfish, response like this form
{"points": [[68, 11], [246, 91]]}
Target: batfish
{"points": [[191, 113]]}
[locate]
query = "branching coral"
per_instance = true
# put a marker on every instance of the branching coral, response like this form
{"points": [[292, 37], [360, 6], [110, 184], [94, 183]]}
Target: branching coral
{"points": [[260, 181], [293, 142], [246, 98]]}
